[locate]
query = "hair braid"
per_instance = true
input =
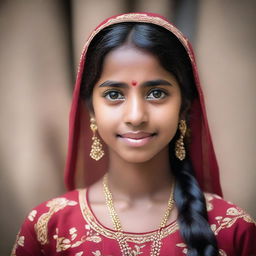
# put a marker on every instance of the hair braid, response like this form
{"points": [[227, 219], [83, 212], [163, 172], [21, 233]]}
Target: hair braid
{"points": [[193, 219]]}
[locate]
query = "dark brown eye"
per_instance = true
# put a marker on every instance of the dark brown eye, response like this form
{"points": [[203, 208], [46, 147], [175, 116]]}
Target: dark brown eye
{"points": [[113, 95], [156, 94]]}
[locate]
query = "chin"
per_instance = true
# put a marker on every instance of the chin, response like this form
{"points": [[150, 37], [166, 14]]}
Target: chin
{"points": [[137, 158]]}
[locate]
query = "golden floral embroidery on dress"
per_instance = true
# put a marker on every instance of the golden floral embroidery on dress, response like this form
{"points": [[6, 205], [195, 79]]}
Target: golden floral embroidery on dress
{"points": [[55, 205], [208, 198], [232, 215], [137, 251], [209, 205], [97, 253], [32, 215], [79, 253], [222, 253], [185, 249], [91, 235], [134, 252], [130, 237], [20, 240], [64, 243]]}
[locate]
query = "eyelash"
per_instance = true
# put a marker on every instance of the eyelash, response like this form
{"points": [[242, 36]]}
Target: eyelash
{"points": [[163, 93], [106, 94]]}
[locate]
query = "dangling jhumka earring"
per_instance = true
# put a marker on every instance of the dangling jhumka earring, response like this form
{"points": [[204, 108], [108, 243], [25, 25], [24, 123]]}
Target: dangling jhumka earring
{"points": [[180, 151], [96, 149]]}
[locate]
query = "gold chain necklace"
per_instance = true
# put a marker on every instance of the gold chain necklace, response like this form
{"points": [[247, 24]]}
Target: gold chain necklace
{"points": [[120, 236]]}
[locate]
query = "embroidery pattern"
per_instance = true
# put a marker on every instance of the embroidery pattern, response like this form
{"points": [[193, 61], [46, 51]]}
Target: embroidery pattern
{"points": [[32, 215], [222, 253], [91, 235], [97, 253], [185, 250], [136, 251], [55, 205], [232, 215], [64, 243], [209, 197], [20, 240]]}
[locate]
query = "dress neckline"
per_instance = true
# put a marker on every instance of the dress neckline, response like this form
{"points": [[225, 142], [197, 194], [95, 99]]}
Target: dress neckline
{"points": [[95, 224]]}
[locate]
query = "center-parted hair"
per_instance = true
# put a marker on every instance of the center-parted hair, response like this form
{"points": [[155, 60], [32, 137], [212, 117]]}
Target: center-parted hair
{"points": [[165, 46]]}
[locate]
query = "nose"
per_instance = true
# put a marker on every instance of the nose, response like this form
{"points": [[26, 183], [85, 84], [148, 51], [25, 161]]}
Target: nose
{"points": [[136, 113]]}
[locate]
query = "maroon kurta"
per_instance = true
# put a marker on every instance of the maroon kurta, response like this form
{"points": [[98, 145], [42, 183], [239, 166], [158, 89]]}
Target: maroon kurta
{"points": [[67, 226]]}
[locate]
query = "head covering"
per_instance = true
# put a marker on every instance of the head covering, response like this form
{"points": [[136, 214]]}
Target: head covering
{"points": [[81, 170]]}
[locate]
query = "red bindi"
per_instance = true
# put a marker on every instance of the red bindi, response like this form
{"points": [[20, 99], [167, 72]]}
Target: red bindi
{"points": [[134, 83]]}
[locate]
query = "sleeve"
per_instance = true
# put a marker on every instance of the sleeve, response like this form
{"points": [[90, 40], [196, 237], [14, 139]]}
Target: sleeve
{"points": [[245, 237], [35, 236], [26, 243]]}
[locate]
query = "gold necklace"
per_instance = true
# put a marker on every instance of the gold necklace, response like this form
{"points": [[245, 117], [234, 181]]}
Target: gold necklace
{"points": [[120, 236]]}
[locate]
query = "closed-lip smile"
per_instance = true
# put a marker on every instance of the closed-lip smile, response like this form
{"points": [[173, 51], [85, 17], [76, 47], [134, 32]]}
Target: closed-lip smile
{"points": [[136, 139], [137, 135]]}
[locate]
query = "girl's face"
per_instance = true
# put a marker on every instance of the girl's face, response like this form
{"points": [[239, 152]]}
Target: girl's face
{"points": [[136, 105]]}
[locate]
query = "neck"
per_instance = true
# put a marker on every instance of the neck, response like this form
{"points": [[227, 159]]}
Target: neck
{"points": [[140, 180]]}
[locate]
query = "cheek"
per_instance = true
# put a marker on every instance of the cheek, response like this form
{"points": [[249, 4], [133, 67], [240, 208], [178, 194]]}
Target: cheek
{"points": [[168, 122], [168, 117], [105, 118]]}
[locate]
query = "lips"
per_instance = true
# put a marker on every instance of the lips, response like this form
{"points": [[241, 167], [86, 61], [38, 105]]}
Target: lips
{"points": [[136, 139], [137, 135]]}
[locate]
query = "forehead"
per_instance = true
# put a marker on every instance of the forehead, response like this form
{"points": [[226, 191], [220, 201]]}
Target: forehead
{"points": [[125, 55], [132, 62]]}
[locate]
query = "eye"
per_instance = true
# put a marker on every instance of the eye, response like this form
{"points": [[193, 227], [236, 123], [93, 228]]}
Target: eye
{"points": [[113, 95], [156, 94]]}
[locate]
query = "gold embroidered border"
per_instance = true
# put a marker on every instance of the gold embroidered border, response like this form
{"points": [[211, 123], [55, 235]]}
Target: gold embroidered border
{"points": [[135, 238]]}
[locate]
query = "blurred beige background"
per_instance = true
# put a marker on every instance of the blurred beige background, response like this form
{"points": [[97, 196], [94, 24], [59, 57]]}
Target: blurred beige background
{"points": [[41, 41]]}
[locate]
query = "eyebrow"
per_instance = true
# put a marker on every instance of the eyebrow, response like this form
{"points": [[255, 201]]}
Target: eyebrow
{"points": [[150, 83]]}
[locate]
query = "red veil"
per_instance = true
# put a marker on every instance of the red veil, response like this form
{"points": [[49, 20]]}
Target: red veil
{"points": [[81, 170]]}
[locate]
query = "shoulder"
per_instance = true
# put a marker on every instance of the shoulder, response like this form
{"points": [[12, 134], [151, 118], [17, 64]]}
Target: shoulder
{"points": [[219, 208], [44, 219], [231, 225], [58, 203], [54, 207]]}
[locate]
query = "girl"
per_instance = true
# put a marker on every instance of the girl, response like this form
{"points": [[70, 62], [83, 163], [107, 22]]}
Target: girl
{"points": [[149, 171]]}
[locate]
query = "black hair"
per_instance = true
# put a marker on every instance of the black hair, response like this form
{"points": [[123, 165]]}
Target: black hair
{"points": [[190, 200]]}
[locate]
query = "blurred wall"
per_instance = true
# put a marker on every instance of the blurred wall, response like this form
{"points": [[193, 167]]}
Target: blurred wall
{"points": [[226, 54], [40, 40], [35, 79]]}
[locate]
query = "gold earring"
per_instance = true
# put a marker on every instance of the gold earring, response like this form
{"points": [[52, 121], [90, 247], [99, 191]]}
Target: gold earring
{"points": [[96, 149], [180, 151]]}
